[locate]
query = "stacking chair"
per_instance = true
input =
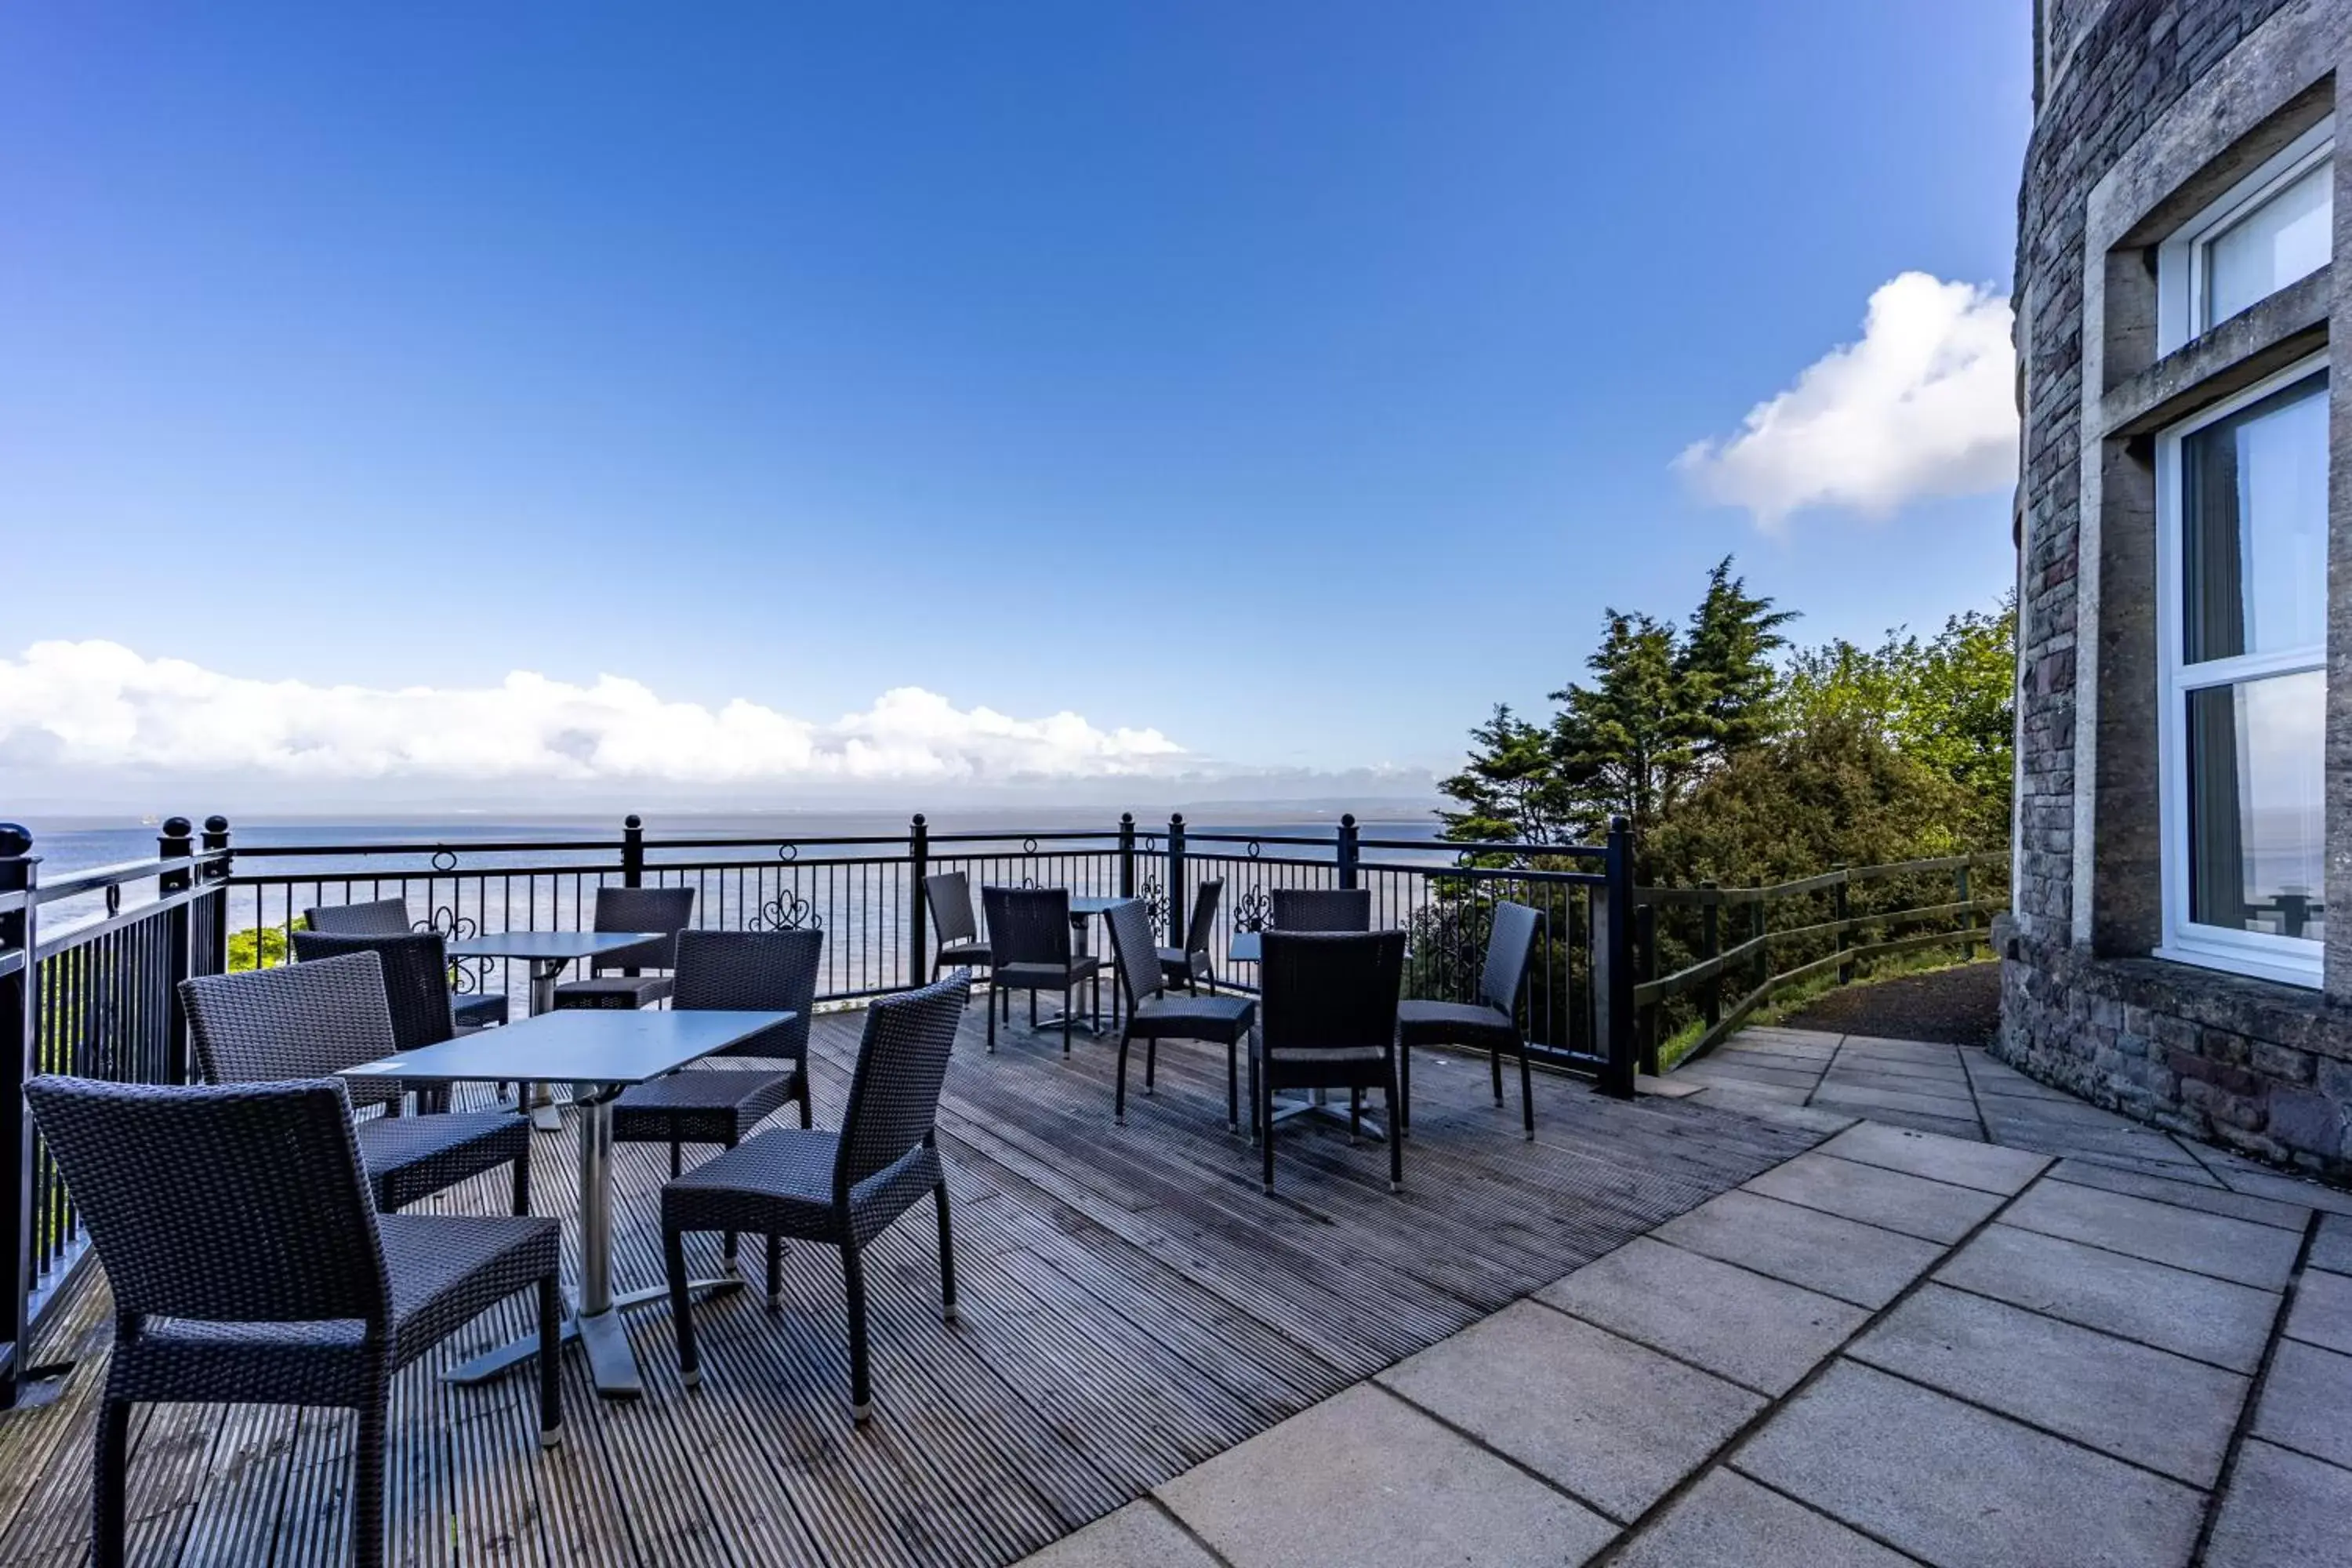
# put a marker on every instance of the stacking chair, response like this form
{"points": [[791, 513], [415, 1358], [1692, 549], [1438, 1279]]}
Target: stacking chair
{"points": [[665, 910], [389, 916], [413, 965], [1029, 935], [842, 1188], [1490, 1024], [1327, 1020], [248, 1263], [314, 1019], [1190, 964], [959, 944], [1322, 909], [1153, 1013]]}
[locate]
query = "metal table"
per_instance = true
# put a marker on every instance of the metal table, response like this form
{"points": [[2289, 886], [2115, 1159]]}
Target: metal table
{"points": [[547, 952], [1247, 949], [602, 1052]]}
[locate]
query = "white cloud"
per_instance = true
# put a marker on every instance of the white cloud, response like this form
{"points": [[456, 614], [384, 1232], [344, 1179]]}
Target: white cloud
{"points": [[90, 708], [1924, 405]]}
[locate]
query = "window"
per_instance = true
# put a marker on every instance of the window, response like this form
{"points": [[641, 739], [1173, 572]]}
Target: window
{"points": [[2242, 614], [2274, 227]]}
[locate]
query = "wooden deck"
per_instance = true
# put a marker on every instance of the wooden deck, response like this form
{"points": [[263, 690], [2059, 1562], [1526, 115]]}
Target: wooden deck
{"points": [[1132, 1305]]}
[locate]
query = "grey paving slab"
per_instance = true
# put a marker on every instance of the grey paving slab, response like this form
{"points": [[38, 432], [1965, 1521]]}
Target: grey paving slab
{"points": [[1953, 1092], [2287, 1190], [1842, 1258], [1917, 1050], [1728, 1521], [2307, 1404], [2154, 1163], [2283, 1510], [2322, 1313], [2146, 1405], [2332, 1248], [1805, 1117], [1764, 1333], [1941, 1126], [1750, 1071], [1611, 1421], [1979, 1165], [1875, 1195], [2212, 1199], [1762, 1093], [2237, 1249], [2189, 1314], [1365, 1477], [1138, 1536], [1869, 1097], [1941, 1077], [1963, 1487], [1812, 1052]]}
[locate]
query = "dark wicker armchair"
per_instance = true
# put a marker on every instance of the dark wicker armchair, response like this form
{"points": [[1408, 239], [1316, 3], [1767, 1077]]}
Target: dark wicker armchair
{"points": [[1154, 1015], [314, 1019], [1322, 909], [1327, 1020], [1029, 932], [1190, 964], [843, 1188], [960, 943], [1490, 1024], [248, 1265], [389, 916], [613, 979]]}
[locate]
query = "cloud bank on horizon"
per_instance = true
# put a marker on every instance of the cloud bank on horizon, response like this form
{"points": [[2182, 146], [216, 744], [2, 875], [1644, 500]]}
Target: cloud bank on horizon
{"points": [[1922, 407]]}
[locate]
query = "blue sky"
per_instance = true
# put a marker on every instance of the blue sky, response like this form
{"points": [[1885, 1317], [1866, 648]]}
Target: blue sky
{"points": [[1292, 381]]}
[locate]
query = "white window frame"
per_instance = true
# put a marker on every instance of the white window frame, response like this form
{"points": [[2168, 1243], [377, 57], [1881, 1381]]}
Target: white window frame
{"points": [[2295, 961], [2180, 260]]}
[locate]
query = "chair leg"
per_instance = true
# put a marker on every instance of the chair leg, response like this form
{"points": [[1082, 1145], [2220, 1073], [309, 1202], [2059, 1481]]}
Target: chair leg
{"points": [[1355, 1114], [681, 1307], [853, 1273], [1119, 1091], [550, 1363], [1233, 1072], [808, 1112], [992, 1025], [1256, 1126], [522, 1181], [112, 1463], [775, 1272], [947, 1307], [1494, 1060], [1396, 1145], [1402, 1119], [1066, 994], [1151, 1065], [1526, 1089], [1033, 1007], [676, 1156], [367, 1482], [1262, 1093]]}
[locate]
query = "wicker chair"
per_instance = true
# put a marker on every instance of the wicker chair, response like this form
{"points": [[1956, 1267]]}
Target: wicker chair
{"points": [[389, 916], [248, 1265], [1188, 965], [949, 895], [1029, 934], [663, 910], [1490, 1024], [314, 1019], [1322, 909], [413, 965], [843, 1188], [1154, 1015], [1327, 1010]]}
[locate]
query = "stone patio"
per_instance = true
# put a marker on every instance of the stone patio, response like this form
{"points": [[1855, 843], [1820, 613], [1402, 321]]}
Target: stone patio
{"points": [[1986, 1325]]}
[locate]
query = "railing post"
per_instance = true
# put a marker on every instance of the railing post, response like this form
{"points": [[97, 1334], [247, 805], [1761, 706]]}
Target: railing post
{"points": [[633, 851], [1759, 970], [1711, 942], [919, 927], [1176, 880], [1612, 934], [1348, 852], [1838, 905], [1126, 854], [1968, 917], [1645, 969], [213, 910], [177, 842], [19, 1059]]}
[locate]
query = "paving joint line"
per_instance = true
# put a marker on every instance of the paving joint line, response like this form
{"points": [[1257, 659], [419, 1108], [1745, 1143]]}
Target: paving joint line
{"points": [[2243, 1427], [2057, 1175], [2127, 1339]]}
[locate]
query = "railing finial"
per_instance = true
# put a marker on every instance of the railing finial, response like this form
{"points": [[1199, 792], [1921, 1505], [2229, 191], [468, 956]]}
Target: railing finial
{"points": [[15, 840]]}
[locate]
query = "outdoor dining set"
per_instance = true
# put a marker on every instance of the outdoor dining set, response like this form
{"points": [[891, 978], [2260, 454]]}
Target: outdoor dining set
{"points": [[251, 1226]]}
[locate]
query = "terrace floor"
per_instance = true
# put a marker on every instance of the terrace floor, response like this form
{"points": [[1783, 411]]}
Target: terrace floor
{"points": [[1132, 1307]]}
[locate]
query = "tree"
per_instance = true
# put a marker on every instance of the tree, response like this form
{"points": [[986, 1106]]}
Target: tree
{"points": [[1727, 664], [1627, 742], [1506, 788]]}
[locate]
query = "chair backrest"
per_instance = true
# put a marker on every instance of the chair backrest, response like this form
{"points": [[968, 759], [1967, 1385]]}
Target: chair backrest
{"points": [[238, 1205], [296, 1021], [1202, 930], [950, 896], [1323, 991], [663, 910], [377, 917], [1027, 925], [1512, 938], [1137, 955], [894, 1094], [416, 979], [1322, 909], [753, 971]]}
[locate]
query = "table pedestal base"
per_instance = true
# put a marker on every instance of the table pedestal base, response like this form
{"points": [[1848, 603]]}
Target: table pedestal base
{"points": [[1319, 1105], [612, 1365]]}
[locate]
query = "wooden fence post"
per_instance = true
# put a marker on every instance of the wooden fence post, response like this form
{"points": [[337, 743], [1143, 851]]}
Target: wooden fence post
{"points": [[1838, 905], [1645, 969], [1968, 917], [1711, 941]]}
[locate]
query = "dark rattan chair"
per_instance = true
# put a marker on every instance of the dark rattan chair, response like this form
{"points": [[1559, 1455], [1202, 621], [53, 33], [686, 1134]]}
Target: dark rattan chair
{"points": [[312, 1020], [389, 916], [413, 966], [1490, 1024], [248, 1265], [1322, 909], [960, 945], [844, 1188], [1029, 932], [663, 910], [1154, 1015], [1327, 1011], [1188, 965]]}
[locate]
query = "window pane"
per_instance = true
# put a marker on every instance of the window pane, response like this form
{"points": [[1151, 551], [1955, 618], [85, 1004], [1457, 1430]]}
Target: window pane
{"points": [[2253, 515], [2284, 239], [2255, 823]]}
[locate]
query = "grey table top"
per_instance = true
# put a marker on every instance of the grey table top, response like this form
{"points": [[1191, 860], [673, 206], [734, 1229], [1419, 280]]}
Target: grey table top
{"points": [[1093, 906], [550, 945], [1247, 948], [581, 1045]]}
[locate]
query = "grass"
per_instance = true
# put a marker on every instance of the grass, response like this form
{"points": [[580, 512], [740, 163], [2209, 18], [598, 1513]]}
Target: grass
{"points": [[1800, 993]]}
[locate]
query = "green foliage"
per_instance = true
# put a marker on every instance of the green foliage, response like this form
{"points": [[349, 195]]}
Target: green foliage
{"points": [[261, 947]]}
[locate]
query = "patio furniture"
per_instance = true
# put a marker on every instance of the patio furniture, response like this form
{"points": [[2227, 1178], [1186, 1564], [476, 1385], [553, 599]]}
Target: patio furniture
{"points": [[248, 1265], [661, 911], [548, 953], [1490, 1024], [1153, 1013], [1322, 909], [842, 1188], [414, 963], [1029, 934], [949, 894], [1189, 963], [389, 916], [1327, 1020], [313, 1020]]}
